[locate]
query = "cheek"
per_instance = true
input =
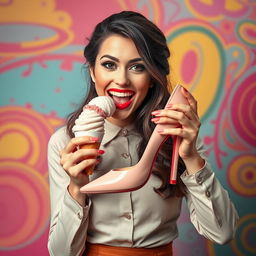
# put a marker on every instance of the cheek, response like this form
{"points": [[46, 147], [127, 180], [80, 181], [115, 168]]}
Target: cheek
{"points": [[101, 82], [143, 85]]}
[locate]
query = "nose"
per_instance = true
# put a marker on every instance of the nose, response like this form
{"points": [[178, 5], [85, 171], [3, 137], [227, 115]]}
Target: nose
{"points": [[121, 78]]}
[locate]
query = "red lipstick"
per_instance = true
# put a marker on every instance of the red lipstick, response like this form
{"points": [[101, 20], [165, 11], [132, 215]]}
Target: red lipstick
{"points": [[122, 97], [121, 90], [123, 105]]}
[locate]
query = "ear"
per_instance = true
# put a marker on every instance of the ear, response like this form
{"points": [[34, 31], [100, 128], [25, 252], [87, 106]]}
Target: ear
{"points": [[92, 73]]}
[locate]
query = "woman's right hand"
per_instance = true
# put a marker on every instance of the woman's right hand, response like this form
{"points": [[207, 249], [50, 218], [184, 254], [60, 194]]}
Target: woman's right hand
{"points": [[74, 161]]}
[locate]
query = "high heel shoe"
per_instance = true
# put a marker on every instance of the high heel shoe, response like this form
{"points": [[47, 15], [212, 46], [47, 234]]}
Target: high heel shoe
{"points": [[131, 178]]}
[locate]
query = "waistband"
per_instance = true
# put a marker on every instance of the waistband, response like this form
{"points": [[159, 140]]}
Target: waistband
{"points": [[107, 250]]}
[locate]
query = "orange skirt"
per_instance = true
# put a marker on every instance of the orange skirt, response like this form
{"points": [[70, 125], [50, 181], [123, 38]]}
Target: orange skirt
{"points": [[106, 250]]}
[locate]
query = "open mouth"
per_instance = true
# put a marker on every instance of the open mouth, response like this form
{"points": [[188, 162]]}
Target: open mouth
{"points": [[121, 98]]}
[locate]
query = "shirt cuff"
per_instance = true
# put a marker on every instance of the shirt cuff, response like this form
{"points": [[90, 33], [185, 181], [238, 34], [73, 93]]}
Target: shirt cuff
{"points": [[200, 186], [197, 178], [75, 208]]}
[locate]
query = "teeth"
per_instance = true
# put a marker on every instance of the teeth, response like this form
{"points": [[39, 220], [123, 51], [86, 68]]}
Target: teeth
{"points": [[120, 94]]}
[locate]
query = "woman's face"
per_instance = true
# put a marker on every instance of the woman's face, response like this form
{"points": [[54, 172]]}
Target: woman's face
{"points": [[120, 73]]}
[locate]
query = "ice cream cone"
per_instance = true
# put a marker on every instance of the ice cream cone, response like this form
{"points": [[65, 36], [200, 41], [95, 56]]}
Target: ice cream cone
{"points": [[91, 122], [96, 145]]}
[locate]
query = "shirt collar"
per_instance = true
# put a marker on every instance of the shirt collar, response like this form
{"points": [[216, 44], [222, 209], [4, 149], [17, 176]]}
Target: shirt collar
{"points": [[112, 131]]}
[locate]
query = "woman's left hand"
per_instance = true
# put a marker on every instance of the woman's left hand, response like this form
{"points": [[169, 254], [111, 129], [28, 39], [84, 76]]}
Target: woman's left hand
{"points": [[181, 120]]}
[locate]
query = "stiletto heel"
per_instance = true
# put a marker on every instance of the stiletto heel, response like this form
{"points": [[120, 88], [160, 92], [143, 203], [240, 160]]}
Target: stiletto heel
{"points": [[175, 158], [134, 177]]}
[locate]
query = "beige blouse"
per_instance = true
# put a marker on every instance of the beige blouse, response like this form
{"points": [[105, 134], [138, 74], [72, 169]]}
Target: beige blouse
{"points": [[132, 219]]}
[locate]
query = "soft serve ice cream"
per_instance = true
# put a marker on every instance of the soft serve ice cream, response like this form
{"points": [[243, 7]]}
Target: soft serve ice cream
{"points": [[91, 121]]}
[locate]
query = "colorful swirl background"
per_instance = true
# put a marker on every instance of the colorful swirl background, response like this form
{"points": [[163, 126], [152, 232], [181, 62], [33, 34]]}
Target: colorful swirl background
{"points": [[42, 79]]}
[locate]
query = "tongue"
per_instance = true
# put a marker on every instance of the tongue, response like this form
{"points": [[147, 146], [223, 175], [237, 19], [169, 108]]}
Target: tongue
{"points": [[120, 100]]}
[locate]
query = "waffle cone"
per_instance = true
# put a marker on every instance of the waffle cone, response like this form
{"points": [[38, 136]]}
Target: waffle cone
{"points": [[96, 145]]}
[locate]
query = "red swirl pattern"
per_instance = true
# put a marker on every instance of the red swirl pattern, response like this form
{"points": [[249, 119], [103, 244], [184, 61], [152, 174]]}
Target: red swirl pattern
{"points": [[23, 191], [243, 110]]}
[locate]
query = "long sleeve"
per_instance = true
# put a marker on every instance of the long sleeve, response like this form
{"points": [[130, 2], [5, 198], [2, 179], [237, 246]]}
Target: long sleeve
{"points": [[69, 220], [211, 210]]}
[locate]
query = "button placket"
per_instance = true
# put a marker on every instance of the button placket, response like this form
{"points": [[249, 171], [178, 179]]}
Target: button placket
{"points": [[126, 219], [125, 146]]}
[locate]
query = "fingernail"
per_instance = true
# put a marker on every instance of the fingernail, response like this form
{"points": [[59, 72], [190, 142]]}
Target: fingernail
{"points": [[101, 152], [94, 139], [169, 106], [156, 119], [155, 113]]}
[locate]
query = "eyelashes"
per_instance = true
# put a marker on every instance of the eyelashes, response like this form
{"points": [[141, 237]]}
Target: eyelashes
{"points": [[108, 65], [138, 68]]}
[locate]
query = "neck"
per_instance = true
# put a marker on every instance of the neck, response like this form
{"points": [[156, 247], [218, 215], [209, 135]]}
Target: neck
{"points": [[120, 123]]}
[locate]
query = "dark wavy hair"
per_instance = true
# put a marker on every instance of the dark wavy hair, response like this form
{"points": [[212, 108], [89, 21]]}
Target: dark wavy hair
{"points": [[152, 47]]}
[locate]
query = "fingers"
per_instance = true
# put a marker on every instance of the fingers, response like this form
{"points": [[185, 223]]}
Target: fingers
{"points": [[180, 110], [191, 100], [75, 142], [178, 119], [74, 159], [77, 169], [71, 159], [188, 134], [185, 115], [178, 113]]}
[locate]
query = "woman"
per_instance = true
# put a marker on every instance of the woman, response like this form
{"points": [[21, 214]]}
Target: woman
{"points": [[127, 57]]}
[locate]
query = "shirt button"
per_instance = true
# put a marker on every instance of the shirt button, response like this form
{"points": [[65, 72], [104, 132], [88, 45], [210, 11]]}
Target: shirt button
{"points": [[199, 180], [79, 215], [127, 216], [125, 155], [207, 193], [124, 132]]}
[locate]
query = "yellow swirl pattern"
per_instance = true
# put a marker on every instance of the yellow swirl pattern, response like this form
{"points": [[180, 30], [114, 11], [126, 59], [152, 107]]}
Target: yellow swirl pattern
{"points": [[209, 64], [24, 136], [245, 243], [242, 175]]}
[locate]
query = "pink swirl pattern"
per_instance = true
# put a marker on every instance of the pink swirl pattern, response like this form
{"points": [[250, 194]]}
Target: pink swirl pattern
{"points": [[25, 133], [56, 35], [215, 9], [23, 191], [243, 110], [247, 32], [18, 48]]}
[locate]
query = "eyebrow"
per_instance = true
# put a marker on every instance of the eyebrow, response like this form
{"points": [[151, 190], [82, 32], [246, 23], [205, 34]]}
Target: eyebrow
{"points": [[117, 60]]}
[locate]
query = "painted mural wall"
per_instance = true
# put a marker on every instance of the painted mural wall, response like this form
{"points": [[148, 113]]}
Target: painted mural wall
{"points": [[42, 80]]}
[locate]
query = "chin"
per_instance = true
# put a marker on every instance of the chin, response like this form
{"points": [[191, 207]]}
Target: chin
{"points": [[121, 119]]}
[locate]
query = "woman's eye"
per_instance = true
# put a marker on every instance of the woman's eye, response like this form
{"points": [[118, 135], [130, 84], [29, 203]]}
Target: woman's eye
{"points": [[108, 65], [138, 67]]}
